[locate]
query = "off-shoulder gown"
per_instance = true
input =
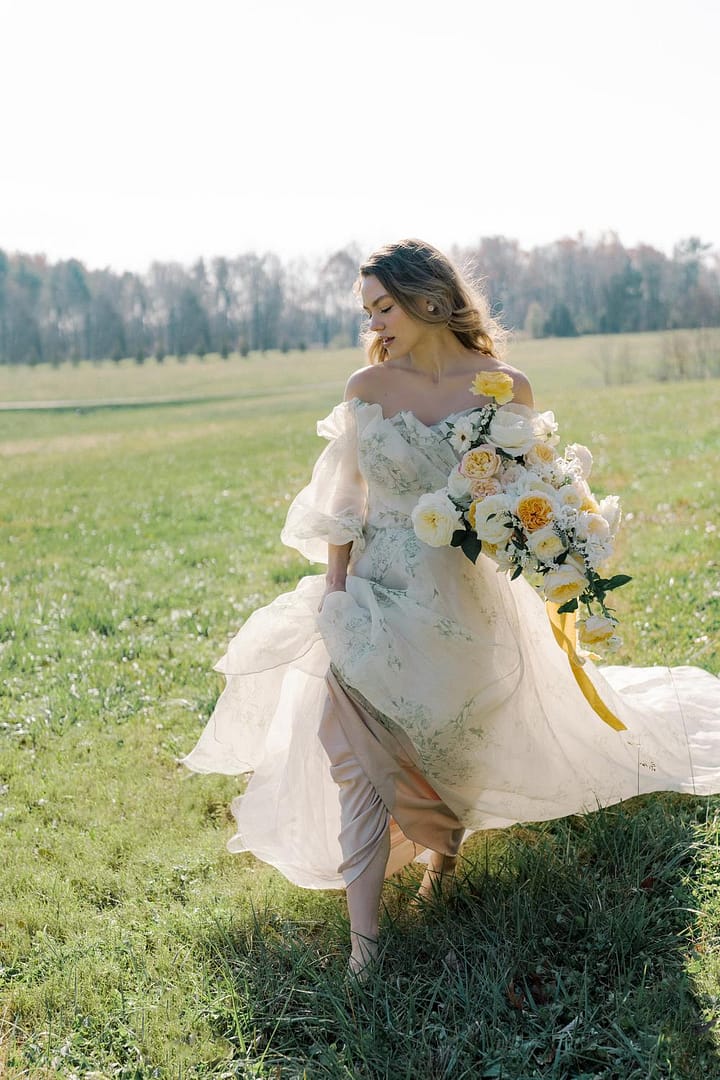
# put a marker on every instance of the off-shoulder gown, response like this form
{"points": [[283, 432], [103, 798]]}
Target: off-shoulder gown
{"points": [[431, 695]]}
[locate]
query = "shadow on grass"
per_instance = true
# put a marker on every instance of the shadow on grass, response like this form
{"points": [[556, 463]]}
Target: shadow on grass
{"points": [[562, 954]]}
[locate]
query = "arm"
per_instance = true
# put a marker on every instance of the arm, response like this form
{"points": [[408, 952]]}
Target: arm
{"points": [[522, 390], [338, 559], [339, 555]]}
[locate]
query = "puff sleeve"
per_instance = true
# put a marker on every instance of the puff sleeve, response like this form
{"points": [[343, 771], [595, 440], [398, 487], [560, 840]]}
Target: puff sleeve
{"points": [[331, 509]]}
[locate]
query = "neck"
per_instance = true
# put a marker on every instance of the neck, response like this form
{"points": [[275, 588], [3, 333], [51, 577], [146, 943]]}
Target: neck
{"points": [[438, 355]]}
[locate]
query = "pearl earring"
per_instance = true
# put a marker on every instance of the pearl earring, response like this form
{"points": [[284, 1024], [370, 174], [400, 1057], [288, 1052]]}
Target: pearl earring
{"points": [[431, 307]]}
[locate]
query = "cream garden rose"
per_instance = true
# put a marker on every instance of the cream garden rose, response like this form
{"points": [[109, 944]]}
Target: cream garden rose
{"points": [[534, 510], [592, 527], [480, 463], [480, 489], [573, 494], [490, 518], [494, 384], [565, 583], [541, 454], [435, 519], [595, 630], [545, 544]]}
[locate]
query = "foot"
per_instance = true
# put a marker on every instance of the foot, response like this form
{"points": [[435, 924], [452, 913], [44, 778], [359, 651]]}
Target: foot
{"points": [[362, 959], [438, 879]]}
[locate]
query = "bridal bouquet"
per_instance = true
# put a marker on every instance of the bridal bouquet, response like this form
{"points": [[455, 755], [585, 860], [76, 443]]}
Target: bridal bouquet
{"points": [[528, 507]]}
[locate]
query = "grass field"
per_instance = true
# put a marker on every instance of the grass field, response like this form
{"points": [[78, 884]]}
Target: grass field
{"points": [[135, 540]]}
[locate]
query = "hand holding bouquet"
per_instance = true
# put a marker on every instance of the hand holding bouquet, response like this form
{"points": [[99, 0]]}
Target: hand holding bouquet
{"points": [[514, 497]]}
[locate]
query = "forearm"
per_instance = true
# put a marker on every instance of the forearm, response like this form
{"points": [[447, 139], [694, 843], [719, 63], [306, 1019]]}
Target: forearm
{"points": [[338, 559]]}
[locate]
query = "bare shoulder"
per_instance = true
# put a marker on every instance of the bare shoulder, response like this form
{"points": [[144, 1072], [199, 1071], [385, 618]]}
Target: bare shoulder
{"points": [[522, 390], [367, 383]]}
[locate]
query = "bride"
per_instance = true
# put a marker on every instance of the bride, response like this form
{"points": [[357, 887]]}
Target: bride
{"points": [[408, 695]]}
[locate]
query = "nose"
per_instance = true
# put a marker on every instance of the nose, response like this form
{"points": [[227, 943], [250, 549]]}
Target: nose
{"points": [[376, 321]]}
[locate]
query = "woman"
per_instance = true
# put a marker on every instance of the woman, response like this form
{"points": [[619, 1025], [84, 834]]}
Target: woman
{"points": [[411, 695]]}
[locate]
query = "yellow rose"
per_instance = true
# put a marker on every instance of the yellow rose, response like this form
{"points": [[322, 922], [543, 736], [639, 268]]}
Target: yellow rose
{"points": [[535, 511], [494, 384], [589, 504], [480, 463], [565, 583]]}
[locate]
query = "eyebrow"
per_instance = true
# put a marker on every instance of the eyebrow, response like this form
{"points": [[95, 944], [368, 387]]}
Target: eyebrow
{"points": [[377, 300]]}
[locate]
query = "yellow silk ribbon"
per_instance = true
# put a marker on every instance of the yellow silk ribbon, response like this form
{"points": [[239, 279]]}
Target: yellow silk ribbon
{"points": [[563, 627]]}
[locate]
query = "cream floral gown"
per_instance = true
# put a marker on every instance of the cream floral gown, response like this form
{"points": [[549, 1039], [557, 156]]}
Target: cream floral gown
{"points": [[458, 710]]}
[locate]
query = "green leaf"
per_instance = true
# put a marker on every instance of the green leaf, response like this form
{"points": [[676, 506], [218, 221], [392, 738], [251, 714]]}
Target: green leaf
{"points": [[616, 581], [457, 537], [471, 546], [516, 573], [571, 605]]}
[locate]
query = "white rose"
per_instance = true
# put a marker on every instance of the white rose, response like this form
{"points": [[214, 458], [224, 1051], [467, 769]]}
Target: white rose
{"points": [[579, 453], [459, 487], [435, 518], [491, 516], [512, 429], [565, 583], [610, 510], [545, 544]]}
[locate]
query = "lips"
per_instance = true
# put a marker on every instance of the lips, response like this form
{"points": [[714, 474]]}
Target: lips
{"points": [[387, 341]]}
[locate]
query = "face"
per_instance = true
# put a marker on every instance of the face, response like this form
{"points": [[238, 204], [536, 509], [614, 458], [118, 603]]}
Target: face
{"points": [[398, 331]]}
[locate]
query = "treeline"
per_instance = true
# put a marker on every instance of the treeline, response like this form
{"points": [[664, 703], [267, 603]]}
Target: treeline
{"points": [[54, 312]]}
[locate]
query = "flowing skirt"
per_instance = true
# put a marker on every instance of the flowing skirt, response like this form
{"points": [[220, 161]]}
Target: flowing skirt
{"points": [[315, 711]]}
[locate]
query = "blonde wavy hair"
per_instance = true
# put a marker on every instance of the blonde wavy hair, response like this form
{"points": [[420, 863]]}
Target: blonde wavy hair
{"points": [[414, 273]]}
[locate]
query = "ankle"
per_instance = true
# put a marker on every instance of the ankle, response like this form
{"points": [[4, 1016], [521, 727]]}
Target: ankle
{"points": [[363, 944], [442, 864]]}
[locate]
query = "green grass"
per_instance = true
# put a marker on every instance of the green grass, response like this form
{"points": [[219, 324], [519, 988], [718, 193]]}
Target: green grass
{"points": [[134, 542]]}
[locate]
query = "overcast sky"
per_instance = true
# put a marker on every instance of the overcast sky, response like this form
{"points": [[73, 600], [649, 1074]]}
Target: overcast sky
{"points": [[167, 130]]}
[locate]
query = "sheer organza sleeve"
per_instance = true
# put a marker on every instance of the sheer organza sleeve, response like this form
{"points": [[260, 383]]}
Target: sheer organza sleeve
{"points": [[331, 509]]}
